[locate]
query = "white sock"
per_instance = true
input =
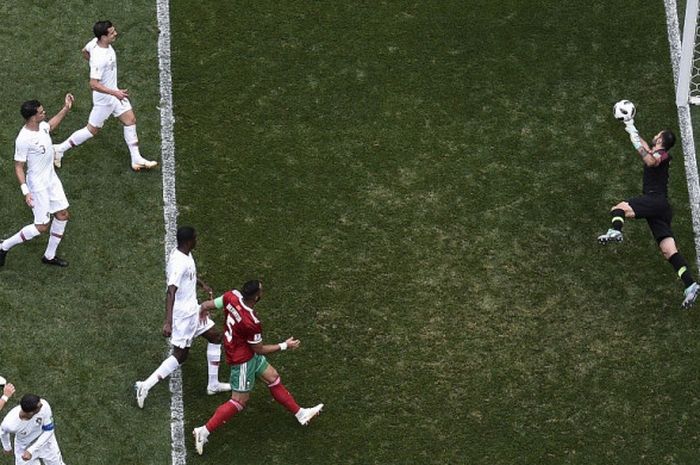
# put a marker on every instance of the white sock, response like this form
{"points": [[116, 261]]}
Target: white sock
{"points": [[77, 138], [27, 233], [132, 141], [213, 358], [169, 365], [55, 236]]}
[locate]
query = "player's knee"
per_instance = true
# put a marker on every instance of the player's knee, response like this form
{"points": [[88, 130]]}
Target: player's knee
{"points": [[93, 130], [42, 228], [62, 215]]}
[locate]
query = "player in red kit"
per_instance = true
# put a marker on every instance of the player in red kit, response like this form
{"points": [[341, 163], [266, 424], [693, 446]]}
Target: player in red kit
{"points": [[245, 352]]}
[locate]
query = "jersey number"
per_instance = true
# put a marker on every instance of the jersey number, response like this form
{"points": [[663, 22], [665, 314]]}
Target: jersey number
{"points": [[232, 318]]}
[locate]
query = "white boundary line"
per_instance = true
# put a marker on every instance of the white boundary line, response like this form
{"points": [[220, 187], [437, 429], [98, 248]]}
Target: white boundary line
{"points": [[167, 122], [685, 124]]}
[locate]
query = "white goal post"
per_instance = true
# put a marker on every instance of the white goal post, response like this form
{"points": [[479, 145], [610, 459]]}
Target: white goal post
{"points": [[688, 88], [682, 61]]}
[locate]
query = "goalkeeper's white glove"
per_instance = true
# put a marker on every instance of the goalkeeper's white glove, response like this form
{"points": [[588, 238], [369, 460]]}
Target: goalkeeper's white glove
{"points": [[634, 134]]}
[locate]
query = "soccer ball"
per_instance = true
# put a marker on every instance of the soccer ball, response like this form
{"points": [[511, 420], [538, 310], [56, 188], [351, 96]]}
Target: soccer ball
{"points": [[3, 382], [624, 110]]}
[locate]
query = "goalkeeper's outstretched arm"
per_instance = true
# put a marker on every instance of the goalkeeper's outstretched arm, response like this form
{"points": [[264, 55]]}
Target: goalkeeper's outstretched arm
{"points": [[641, 145]]}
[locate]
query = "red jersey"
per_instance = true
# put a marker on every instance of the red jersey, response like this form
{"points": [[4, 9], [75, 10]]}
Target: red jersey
{"points": [[242, 328]]}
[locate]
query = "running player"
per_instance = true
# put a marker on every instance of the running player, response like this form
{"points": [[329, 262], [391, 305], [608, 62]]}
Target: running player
{"points": [[653, 206], [41, 187], [183, 321], [107, 98], [245, 352]]}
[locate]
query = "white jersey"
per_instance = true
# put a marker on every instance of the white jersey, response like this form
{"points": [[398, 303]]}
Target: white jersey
{"points": [[36, 150], [182, 272], [103, 67], [35, 434]]}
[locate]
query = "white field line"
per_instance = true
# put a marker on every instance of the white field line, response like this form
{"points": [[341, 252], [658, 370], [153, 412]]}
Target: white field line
{"points": [[686, 126], [167, 120]]}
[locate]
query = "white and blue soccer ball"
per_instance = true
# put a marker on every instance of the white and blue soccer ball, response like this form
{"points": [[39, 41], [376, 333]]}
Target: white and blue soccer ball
{"points": [[624, 110], [3, 382]]}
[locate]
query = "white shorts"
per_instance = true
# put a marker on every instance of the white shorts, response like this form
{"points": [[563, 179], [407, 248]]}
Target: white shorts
{"points": [[100, 113], [186, 329], [49, 201], [49, 454]]}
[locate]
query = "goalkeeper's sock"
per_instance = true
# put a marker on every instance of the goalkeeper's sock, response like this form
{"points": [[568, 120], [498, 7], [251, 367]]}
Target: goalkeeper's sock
{"points": [[681, 266], [618, 219], [224, 413]]}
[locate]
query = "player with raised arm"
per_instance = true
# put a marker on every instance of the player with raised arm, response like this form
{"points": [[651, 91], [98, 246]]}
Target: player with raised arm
{"points": [[41, 187], [107, 98], [183, 321], [31, 422], [245, 352], [653, 205], [7, 390]]}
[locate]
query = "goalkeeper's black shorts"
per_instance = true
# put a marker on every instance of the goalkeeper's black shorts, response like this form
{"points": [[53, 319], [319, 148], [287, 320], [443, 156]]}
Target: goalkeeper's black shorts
{"points": [[657, 211]]}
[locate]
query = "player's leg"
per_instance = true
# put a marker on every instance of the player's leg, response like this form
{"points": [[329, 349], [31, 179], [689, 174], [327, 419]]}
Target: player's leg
{"points": [[58, 204], [183, 333], [42, 217], [618, 213], [128, 118], [213, 336], [670, 252], [242, 381], [97, 118], [280, 393]]}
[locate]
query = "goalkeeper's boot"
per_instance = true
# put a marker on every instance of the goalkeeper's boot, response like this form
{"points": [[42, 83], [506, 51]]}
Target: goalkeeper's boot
{"points": [[304, 415], [613, 235], [691, 295], [201, 435]]}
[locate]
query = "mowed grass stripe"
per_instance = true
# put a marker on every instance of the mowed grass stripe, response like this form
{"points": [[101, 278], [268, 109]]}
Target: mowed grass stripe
{"points": [[81, 336]]}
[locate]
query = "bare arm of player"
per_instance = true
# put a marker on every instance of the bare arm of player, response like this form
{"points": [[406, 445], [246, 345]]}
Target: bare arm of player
{"points": [[97, 86], [7, 392], [21, 177], [264, 349], [205, 287], [58, 117], [86, 54], [169, 302]]}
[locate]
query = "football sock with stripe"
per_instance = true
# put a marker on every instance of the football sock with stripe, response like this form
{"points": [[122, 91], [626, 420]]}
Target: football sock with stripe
{"points": [[169, 365], [75, 139], [681, 266], [223, 413], [213, 359], [58, 227], [27, 233], [618, 219], [282, 396]]}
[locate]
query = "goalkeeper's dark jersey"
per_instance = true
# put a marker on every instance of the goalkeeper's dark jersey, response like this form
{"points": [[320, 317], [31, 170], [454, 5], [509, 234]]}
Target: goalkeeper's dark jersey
{"points": [[655, 179]]}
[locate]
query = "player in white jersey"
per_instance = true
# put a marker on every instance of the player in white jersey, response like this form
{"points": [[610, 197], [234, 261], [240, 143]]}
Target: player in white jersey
{"points": [[107, 98], [31, 422], [184, 320], [41, 187]]}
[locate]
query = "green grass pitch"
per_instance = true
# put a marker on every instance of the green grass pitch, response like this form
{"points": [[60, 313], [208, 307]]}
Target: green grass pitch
{"points": [[419, 185]]}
